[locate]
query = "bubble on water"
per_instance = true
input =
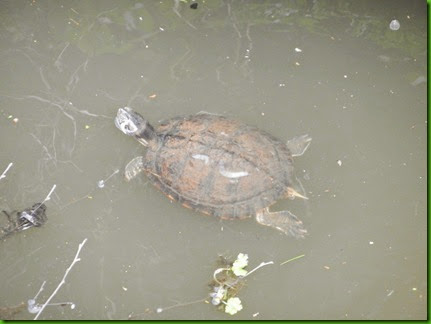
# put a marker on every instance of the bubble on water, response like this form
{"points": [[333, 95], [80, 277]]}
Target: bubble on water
{"points": [[101, 183], [32, 307], [394, 25], [216, 301]]}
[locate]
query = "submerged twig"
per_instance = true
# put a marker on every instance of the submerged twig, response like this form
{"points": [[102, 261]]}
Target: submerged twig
{"points": [[160, 309], [45, 149], [75, 260], [182, 60], [48, 87], [58, 64], [88, 195], [175, 9], [74, 78]]}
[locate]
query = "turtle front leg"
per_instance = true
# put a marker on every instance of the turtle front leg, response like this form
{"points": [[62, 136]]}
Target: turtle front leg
{"points": [[284, 221], [292, 193], [298, 145], [134, 167]]}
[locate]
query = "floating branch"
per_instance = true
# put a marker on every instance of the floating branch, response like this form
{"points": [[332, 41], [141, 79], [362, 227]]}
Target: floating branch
{"points": [[5, 171], [46, 199], [50, 193], [75, 260], [259, 266]]}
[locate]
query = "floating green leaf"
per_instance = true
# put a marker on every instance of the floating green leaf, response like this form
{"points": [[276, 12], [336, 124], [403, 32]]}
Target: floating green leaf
{"points": [[239, 272], [240, 263], [233, 305]]}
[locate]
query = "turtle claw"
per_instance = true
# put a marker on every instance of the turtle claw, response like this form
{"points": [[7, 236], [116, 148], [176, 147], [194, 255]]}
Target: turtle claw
{"points": [[299, 144], [292, 193], [284, 221]]}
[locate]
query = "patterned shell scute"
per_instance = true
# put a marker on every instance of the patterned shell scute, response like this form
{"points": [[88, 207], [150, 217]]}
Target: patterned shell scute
{"points": [[219, 166]]}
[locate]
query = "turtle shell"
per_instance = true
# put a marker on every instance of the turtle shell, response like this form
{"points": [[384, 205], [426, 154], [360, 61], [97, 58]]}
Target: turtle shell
{"points": [[219, 166]]}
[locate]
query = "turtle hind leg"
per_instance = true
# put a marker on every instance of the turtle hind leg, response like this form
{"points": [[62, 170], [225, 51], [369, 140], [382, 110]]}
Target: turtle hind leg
{"points": [[284, 221], [134, 167], [299, 144]]}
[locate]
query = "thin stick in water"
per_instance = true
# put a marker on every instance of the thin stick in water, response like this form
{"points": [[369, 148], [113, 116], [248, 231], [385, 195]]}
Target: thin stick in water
{"points": [[5, 171], [259, 266], [160, 309], [40, 290], [50, 193], [76, 259], [295, 258], [46, 199]]}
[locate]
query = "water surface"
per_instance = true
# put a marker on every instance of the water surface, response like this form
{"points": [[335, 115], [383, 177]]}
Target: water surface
{"points": [[332, 69]]}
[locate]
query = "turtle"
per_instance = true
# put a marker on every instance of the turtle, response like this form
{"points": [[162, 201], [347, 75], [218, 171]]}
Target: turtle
{"points": [[217, 166]]}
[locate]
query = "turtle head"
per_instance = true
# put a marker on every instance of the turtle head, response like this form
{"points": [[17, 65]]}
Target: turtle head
{"points": [[133, 124]]}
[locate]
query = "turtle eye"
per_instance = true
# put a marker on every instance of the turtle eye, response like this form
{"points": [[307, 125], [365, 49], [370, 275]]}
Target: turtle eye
{"points": [[129, 127]]}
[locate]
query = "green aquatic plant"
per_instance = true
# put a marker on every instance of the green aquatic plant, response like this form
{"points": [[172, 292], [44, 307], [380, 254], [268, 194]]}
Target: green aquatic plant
{"points": [[240, 263], [233, 305], [228, 281]]}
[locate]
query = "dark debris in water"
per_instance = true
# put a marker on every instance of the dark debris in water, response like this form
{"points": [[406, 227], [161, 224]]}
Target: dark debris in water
{"points": [[35, 216]]}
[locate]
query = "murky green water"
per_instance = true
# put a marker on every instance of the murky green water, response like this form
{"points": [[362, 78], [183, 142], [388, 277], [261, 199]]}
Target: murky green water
{"points": [[332, 69]]}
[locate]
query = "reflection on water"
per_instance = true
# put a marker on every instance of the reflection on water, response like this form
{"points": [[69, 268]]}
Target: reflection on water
{"points": [[350, 74]]}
